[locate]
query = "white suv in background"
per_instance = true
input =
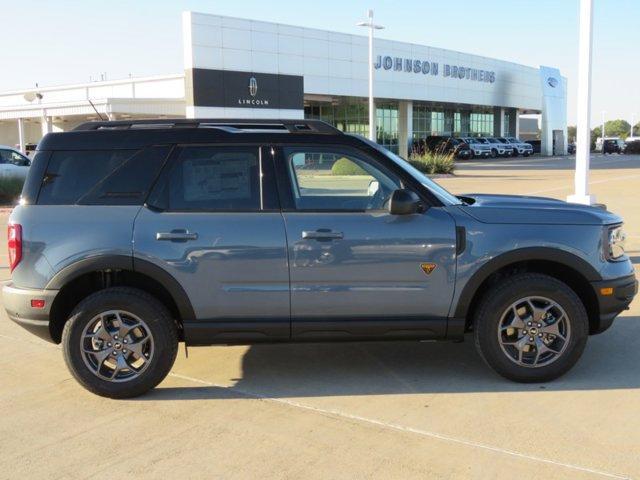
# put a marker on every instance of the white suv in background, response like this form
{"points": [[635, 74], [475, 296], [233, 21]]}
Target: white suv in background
{"points": [[519, 147], [498, 148], [479, 149], [13, 163]]}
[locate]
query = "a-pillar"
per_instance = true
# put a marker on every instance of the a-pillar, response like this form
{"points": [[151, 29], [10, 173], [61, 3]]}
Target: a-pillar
{"points": [[405, 127]]}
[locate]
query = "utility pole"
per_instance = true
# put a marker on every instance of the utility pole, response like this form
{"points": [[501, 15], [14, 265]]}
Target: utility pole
{"points": [[372, 114]]}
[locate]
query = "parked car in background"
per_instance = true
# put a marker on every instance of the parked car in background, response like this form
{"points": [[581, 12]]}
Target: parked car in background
{"points": [[498, 148], [13, 163], [133, 236], [571, 148], [478, 148], [612, 145], [448, 145], [519, 147]]}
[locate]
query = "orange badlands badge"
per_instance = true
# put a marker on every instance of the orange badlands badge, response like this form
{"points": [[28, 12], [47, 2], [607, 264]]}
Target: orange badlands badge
{"points": [[428, 267]]}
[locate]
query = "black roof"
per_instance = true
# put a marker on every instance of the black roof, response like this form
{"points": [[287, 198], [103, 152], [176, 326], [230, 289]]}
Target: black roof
{"points": [[123, 134]]}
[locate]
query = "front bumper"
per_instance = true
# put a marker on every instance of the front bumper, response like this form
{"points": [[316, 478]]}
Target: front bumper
{"points": [[481, 153], [17, 303], [611, 305]]}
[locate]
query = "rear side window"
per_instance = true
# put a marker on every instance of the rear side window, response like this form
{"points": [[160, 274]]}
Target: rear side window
{"points": [[216, 178], [101, 177]]}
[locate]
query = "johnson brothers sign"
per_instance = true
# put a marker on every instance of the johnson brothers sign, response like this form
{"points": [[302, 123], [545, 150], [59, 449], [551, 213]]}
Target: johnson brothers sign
{"points": [[424, 67]]}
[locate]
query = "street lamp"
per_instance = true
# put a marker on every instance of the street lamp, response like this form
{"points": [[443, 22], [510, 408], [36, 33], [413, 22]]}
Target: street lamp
{"points": [[372, 118], [633, 119]]}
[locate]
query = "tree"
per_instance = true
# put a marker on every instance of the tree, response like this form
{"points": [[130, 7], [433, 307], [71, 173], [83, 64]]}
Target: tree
{"points": [[571, 133], [636, 130], [617, 128]]}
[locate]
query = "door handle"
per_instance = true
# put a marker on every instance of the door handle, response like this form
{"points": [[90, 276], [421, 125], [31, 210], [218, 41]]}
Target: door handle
{"points": [[321, 234], [172, 236]]}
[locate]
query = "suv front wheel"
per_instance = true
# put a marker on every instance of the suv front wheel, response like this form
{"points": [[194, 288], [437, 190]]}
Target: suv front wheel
{"points": [[531, 328], [120, 342]]}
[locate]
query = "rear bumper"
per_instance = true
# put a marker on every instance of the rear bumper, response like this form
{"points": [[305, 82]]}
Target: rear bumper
{"points": [[624, 290], [17, 303]]}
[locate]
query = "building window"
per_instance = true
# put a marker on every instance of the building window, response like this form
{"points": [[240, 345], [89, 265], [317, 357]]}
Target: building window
{"points": [[387, 126], [427, 122], [481, 124]]}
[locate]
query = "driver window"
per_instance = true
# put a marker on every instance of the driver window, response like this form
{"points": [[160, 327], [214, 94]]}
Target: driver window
{"points": [[323, 179]]}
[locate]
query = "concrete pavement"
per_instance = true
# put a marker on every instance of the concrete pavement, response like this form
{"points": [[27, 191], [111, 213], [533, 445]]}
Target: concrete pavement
{"points": [[359, 410]]}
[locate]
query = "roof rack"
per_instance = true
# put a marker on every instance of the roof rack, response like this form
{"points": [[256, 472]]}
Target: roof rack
{"points": [[228, 125]]}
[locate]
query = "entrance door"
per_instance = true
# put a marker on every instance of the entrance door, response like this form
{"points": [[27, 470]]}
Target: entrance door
{"points": [[356, 270], [213, 223]]}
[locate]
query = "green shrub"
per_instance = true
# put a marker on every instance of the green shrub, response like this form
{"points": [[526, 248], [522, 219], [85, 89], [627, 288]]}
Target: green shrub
{"points": [[433, 163], [344, 166], [10, 189]]}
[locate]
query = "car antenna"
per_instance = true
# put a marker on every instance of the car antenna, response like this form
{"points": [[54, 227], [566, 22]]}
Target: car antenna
{"points": [[94, 107]]}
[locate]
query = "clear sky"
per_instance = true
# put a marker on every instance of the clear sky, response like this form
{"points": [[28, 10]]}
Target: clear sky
{"points": [[66, 41]]}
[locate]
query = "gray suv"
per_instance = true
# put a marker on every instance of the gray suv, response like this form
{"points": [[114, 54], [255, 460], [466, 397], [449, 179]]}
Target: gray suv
{"points": [[133, 236]]}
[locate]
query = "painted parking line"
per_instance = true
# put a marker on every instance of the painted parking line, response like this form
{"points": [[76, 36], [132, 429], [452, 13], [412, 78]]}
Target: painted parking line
{"points": [[404, 428], [370, 421]]}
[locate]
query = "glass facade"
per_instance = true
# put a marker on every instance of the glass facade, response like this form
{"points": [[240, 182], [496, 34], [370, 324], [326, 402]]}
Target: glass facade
{"points": [[481, 124], [351, 115]]}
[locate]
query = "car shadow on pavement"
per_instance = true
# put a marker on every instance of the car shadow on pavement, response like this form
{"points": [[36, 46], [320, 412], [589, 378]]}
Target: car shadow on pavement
{"points": [[379, 368]]}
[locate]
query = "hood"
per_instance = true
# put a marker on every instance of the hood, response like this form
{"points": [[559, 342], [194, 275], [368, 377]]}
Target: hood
{"points": [[534, 210]]}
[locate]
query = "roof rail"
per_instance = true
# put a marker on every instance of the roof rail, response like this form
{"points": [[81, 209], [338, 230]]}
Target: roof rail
{"points": [[228, 125]]}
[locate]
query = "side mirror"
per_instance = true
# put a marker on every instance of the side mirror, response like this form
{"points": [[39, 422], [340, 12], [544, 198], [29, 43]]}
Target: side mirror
{"points": [[404, 202]]}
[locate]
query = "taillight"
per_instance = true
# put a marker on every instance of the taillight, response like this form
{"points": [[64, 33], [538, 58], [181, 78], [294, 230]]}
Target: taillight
{"points": [[14, 241]]}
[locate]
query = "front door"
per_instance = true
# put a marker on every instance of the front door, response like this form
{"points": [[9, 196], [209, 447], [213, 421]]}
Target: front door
{"points": [[356, 270], [213, 222]]}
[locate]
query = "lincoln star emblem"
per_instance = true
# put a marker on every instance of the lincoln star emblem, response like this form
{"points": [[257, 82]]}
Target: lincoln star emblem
{"points": [[553, 82], [428, 267], [253, 86]]}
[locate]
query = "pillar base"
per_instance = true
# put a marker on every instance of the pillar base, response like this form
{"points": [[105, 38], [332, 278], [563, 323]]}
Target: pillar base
{"points": [[582, 199]]}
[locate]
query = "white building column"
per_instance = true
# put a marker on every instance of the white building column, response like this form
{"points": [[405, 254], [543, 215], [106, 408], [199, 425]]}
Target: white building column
{"points": [[45, 121], [516, 119], [21, 140], [405, 127]]}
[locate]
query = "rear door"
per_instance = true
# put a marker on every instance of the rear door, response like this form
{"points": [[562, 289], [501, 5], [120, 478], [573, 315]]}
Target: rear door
{"points": [[213, 222]]}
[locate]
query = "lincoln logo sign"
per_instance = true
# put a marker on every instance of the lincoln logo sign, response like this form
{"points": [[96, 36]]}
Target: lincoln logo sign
{"points": [[424, 67], [253, 91]]}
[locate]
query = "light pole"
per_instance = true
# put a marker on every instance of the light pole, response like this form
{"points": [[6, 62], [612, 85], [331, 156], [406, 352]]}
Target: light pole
{"points": [[602, 131], [583, 133], [372, 114], [633, 119]]}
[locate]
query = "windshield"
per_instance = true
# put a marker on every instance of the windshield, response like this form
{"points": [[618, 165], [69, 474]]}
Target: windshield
{"points": [[482, 140], [443, 195], [513, 140], [493, 140]]}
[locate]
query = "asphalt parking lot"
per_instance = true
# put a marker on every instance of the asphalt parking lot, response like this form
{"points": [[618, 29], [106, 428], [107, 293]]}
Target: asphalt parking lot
{"points": [[358, 410]]}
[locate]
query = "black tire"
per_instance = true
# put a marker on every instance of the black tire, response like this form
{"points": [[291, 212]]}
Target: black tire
{"points": [[494, 153], [526, 154], [515, 152], [510, 290], [156, 317]]}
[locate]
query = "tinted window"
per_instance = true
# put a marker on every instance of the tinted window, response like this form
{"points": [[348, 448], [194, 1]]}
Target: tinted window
{"points": [[128, 184], [325, 179], [70, 175], [214, 179]]}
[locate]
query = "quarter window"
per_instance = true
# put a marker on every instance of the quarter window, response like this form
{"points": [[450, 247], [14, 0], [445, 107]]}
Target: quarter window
{"points": [[332, 180]]}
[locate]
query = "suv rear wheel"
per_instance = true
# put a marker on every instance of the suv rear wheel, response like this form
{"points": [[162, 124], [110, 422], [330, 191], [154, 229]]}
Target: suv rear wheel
{"points": [[120, 342], [531, 328]]}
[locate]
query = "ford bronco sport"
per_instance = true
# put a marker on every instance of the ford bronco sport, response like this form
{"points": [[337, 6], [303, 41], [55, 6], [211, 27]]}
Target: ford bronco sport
{"points": [[133, 236]]}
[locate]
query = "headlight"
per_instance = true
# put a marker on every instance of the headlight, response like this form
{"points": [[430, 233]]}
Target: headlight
{"points": [[615, 242]]}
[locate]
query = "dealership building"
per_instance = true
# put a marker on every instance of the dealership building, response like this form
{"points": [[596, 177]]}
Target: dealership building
{"points": [[241, 68]]}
